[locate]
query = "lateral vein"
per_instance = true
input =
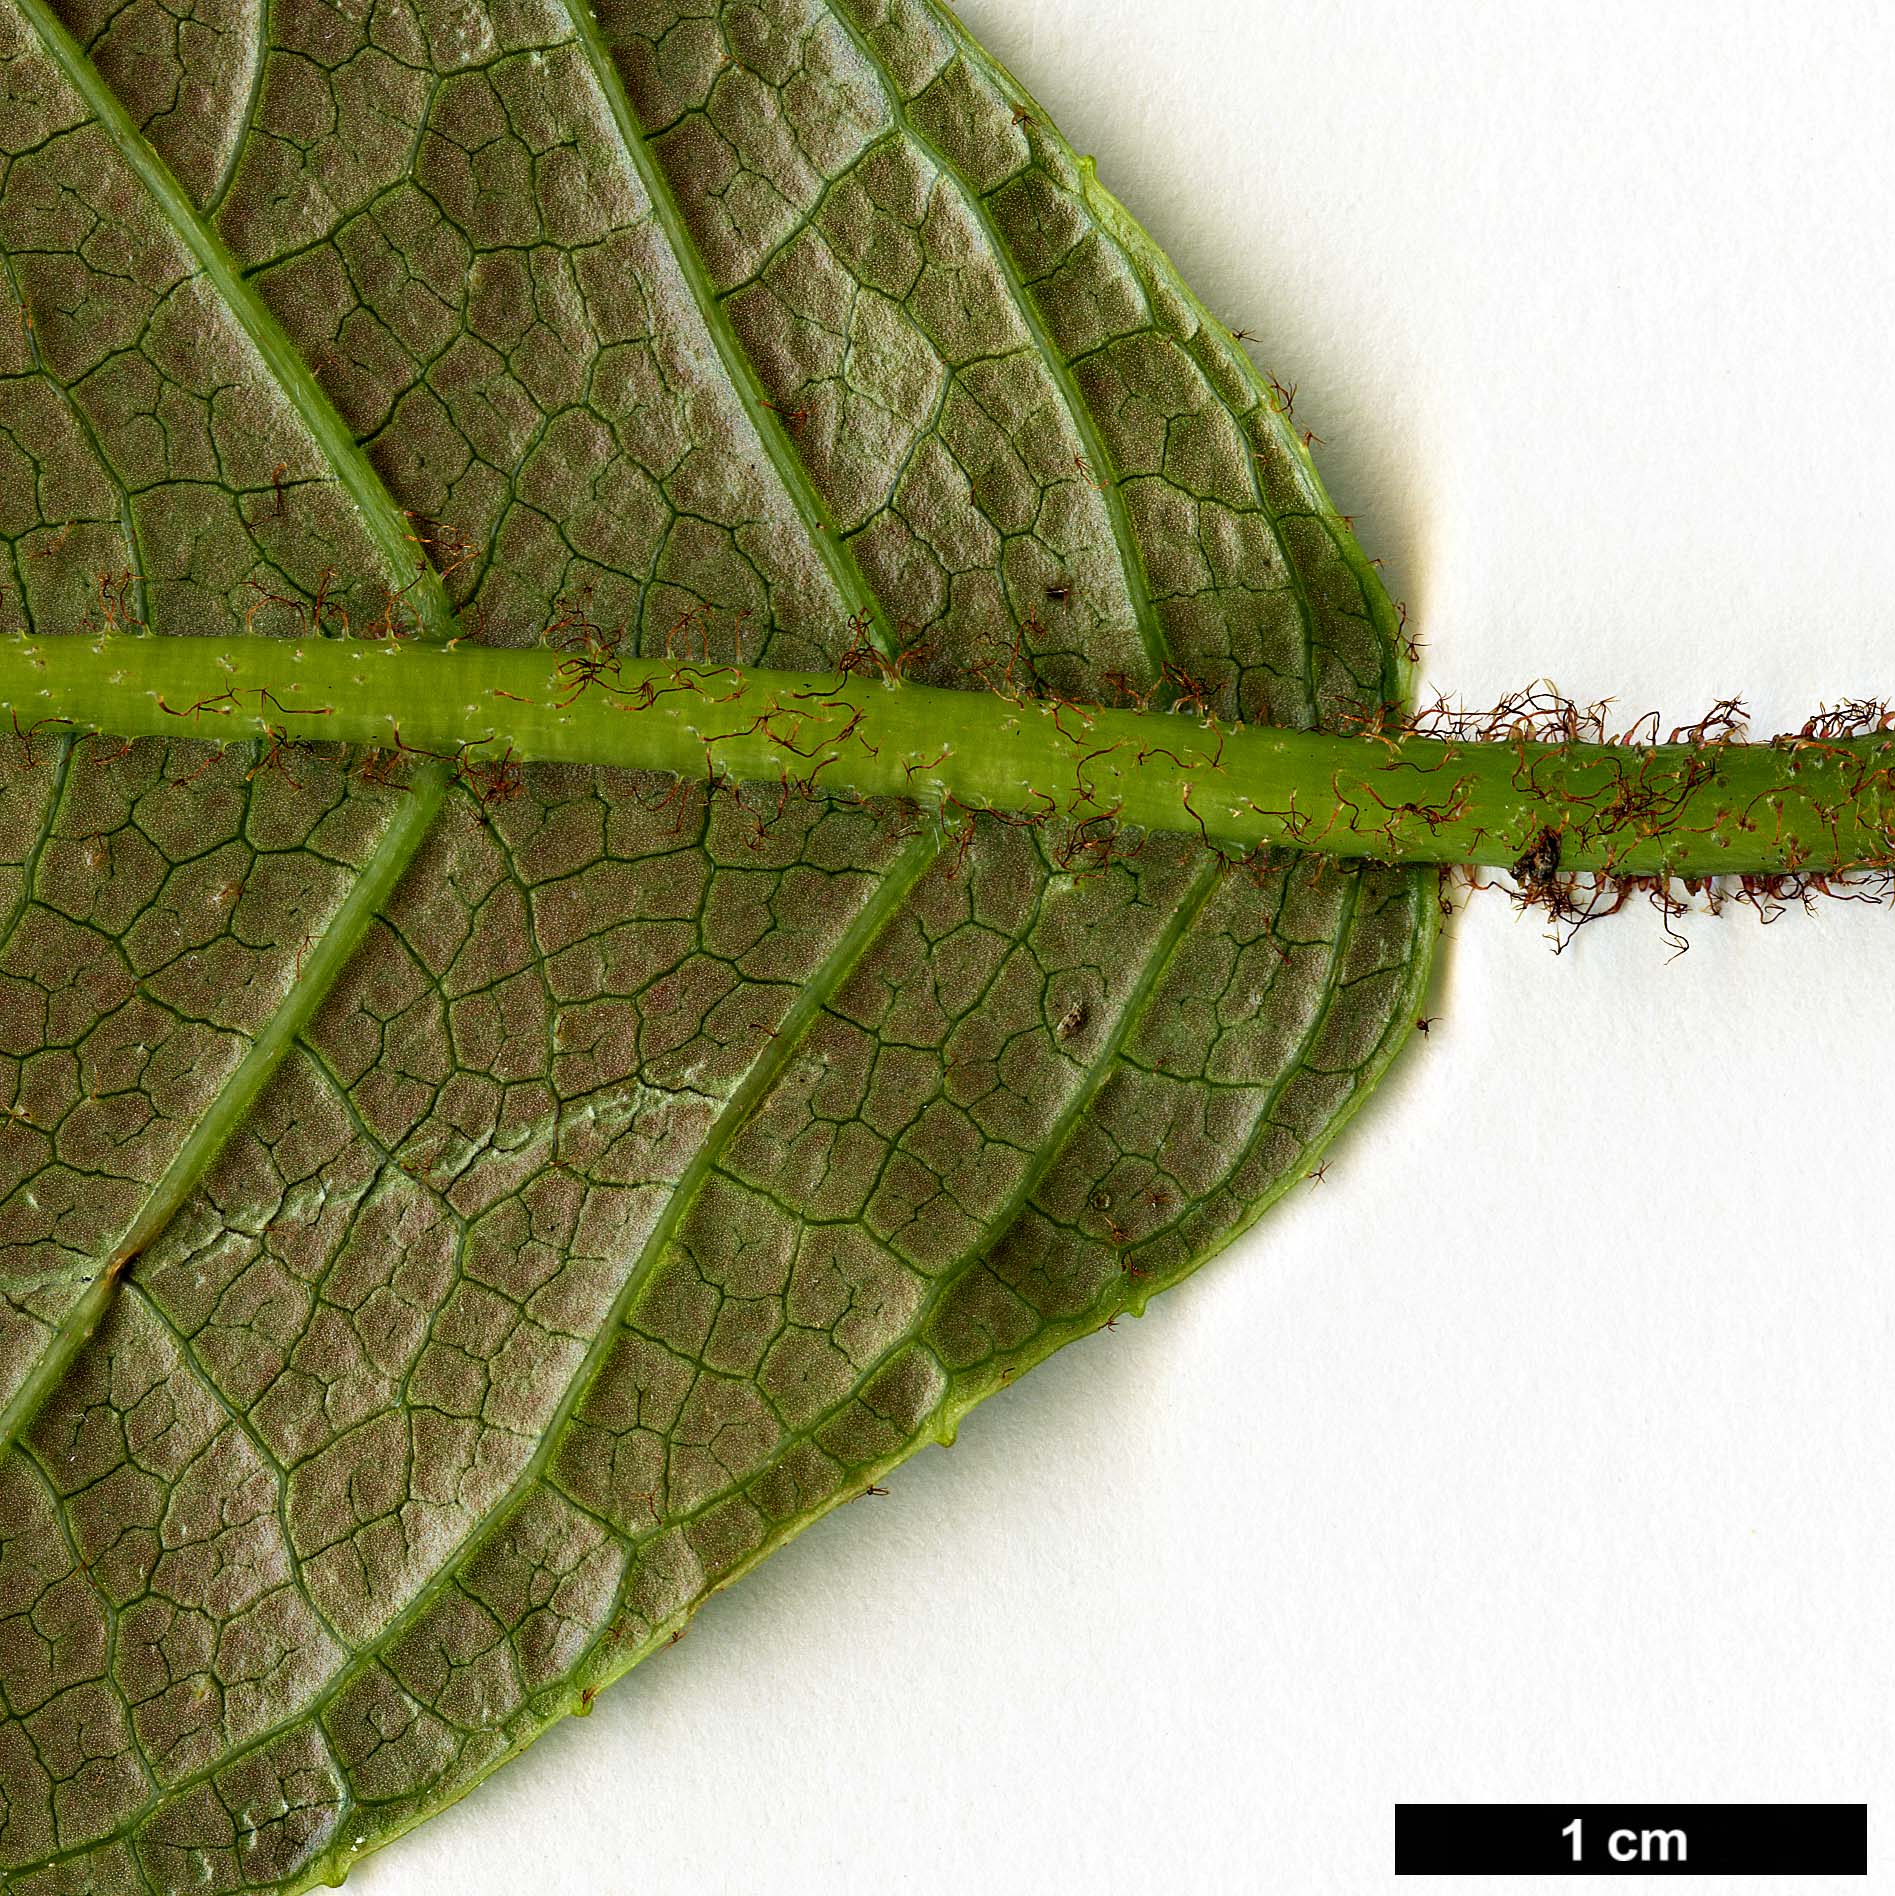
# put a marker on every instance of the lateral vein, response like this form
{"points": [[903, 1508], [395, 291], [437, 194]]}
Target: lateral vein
{"points": [[385, 523], [812, 998], [845, 574], [320, 969]]}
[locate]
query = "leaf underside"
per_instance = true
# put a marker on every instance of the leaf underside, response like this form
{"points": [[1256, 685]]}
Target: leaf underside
{"points": [[442, 1239]]}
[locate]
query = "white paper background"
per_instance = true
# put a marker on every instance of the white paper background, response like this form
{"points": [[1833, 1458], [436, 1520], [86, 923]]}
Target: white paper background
{"points": [[1543, 1452]]}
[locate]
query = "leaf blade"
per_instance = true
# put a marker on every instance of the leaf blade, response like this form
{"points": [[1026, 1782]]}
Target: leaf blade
{"points": [[619, 1209]]}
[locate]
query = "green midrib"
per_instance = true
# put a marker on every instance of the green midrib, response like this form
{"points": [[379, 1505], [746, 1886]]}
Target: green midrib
{"points": [[1719, 807], [384, 522]]}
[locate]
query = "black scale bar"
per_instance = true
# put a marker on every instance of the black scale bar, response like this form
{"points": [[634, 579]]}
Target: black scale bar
{"points": [[1631, 1840]]}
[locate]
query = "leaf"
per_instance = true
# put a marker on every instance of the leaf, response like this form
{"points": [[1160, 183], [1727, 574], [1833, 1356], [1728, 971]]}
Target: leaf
{"points": [[452, 1222]]}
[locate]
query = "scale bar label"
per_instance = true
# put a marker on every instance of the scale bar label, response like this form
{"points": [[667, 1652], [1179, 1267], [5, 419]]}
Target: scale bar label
{"points": [[1631, 1839]]}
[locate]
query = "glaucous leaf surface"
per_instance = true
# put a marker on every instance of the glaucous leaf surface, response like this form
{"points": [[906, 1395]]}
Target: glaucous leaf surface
{"points": [[443, 1237]]}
